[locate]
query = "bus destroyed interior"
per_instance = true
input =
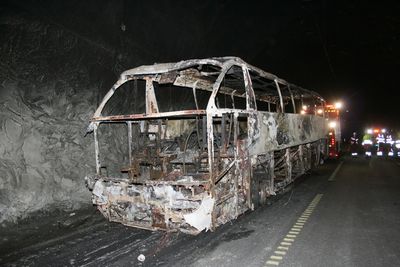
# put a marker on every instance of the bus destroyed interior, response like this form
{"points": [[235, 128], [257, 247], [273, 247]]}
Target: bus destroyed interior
{"points": [[203, 141]]}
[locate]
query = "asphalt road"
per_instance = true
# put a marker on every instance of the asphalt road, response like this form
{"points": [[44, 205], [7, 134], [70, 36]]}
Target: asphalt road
{"points": [[345, 213]]}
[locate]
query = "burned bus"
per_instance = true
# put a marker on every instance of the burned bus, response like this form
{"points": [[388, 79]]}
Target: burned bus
{"points": [[192, 145]]}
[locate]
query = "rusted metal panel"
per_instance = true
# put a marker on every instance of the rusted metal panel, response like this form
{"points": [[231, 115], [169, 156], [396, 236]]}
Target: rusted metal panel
{"points": [[195, 169], [151, 102], [183, 113]]}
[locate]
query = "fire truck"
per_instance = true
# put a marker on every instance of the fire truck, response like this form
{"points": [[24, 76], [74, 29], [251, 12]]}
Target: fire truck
{"points": [[332, 113]]}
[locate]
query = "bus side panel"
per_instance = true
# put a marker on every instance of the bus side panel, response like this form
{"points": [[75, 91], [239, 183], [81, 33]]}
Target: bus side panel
{"points": [[282, 130]]}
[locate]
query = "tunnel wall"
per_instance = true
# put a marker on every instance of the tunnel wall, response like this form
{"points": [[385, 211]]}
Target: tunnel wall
{"points": [[51, 80]]}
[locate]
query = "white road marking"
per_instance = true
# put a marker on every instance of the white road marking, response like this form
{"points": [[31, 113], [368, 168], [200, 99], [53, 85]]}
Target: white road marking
{"points": [[332, 177], [276, 263]]}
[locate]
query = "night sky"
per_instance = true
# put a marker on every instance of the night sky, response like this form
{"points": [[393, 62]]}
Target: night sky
{"points": [[345, 50]]}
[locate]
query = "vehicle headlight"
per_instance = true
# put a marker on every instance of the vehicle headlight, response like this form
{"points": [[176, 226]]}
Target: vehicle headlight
{"points": [[332, 124]]}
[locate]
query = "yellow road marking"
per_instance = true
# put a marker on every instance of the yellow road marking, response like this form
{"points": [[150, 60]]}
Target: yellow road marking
{"points": [[288, 239], [294, 231]]}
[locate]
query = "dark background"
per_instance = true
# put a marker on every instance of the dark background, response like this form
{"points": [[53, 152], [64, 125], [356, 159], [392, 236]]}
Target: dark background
{"points": [[345, 50]]}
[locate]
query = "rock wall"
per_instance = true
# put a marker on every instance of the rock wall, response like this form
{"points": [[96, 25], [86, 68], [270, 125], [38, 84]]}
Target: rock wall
{"points": [[51, 81]]}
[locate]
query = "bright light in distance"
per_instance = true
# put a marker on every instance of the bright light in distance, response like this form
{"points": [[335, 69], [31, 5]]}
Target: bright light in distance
{"points": [[338, 105], [376, 130], [332, 124], [320, 111], [379, 153], [369, 131], [383, 130], [397, 145], [302, 112], [390, 153], [368, 153], [304, 107]]}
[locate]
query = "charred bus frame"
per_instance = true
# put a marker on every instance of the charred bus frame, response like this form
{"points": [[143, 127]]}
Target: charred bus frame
{"points": [[197, 168]]}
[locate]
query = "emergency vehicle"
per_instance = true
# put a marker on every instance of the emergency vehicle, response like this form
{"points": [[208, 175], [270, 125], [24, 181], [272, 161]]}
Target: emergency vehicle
{"points": [[332, 114], [379, 141]]}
